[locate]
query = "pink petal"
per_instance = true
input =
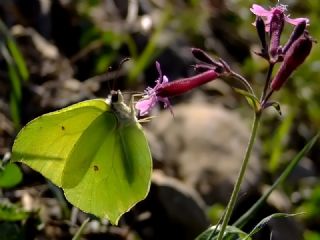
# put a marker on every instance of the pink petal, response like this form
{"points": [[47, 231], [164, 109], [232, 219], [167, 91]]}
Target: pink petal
{"points": [[296, 21], [165, 79], [145, 105], [260, 11], [159, 70]]}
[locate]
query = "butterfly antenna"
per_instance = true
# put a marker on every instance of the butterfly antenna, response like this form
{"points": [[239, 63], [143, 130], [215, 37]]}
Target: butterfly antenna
{"points": [[120, 65], [109, 86], [116, 73]]}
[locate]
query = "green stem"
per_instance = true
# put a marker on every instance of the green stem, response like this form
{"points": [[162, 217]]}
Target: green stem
{"points": [[243, 81], [77, 236], [267, 83], [237, 185]]}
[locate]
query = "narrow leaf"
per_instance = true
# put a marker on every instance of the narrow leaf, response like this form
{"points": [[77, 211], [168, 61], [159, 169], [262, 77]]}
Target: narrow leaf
{"points": [[251, 99], [14, 52], [15, 110], [18, 58], [264, 221], [78, 234]]}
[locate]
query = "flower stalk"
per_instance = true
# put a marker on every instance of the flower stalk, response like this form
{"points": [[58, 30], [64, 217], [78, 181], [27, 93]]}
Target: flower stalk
{"points": [[292, 55], [241, 175]]}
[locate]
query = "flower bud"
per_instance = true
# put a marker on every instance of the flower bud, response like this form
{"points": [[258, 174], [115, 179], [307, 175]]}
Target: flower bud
{"points": [[209, 63], [294, 57], [202, 56], [296, 33], [261, 33], [183, 85], [276, 27]]}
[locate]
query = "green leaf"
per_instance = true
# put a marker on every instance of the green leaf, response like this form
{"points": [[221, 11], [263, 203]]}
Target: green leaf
{"points": [[264, 221], [10, 176], [12, 212], [14, 105], [311, 206], [215, 212], [14, 51], [97, 154], [16, 92], [18, 58], [231, 232], [252, 100], [15, 80]]}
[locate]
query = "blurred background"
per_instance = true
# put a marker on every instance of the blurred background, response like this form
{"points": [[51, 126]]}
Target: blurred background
{"points": [[57, 52]]}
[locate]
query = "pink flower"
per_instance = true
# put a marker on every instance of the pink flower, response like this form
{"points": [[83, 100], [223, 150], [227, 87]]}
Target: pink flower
{"points": [[267, 15], [148, 102], [165, 89]]}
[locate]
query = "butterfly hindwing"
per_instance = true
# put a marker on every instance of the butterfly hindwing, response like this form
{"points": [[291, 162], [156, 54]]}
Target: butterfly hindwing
{"points": [[117, 182], [87, 147]]}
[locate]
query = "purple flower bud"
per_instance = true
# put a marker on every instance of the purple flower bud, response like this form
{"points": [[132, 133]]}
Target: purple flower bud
{"points": [[207, 62], [296, 33], [294, 57], [180, 86], [262, 34], [276, 27], [204, 57]]}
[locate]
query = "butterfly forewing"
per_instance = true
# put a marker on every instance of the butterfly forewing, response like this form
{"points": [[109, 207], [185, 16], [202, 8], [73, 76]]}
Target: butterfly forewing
{"points": [[44, 143]]}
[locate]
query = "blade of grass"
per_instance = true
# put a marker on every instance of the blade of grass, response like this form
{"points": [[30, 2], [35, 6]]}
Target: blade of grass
{"points": [[246, 216], [15, 110], [77, 236], [14, 52], [18, 59], [17, 71], [15, 94]]}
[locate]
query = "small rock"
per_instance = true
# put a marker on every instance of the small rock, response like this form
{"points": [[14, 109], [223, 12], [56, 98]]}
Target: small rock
{"points": [[172, 210]]}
